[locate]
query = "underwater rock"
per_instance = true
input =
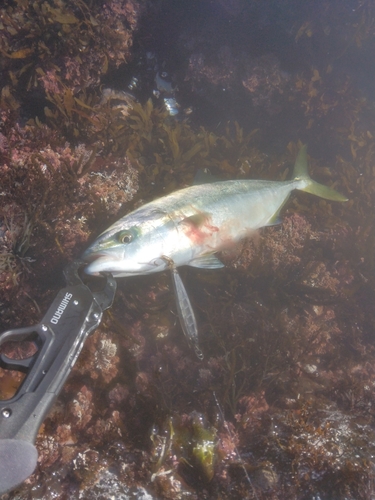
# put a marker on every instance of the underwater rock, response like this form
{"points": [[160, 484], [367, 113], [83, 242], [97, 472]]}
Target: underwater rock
{"points": [[265, 81], [287, 328]]}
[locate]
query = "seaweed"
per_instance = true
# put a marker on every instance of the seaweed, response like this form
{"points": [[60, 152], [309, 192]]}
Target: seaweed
{"points": [[286, 328]]}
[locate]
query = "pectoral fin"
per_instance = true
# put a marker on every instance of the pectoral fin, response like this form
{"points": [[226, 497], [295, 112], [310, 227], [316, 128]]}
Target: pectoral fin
{"points": [[206, 262], [197, 220]]}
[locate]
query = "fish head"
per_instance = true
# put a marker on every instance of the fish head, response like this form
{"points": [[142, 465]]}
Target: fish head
{"points": [[126, 249]]}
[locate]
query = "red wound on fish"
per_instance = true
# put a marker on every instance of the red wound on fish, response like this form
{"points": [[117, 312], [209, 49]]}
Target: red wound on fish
{"points": [[197, 227]]}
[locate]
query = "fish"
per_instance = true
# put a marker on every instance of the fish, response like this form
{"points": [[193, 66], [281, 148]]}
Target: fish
{"points": [[189, 226]]}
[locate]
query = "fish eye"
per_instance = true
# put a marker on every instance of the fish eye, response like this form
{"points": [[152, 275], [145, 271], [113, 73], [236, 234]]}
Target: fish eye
{"points": [[125, 237]]}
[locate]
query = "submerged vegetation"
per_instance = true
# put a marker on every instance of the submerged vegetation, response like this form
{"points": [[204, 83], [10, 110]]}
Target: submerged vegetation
{"points": [[282, 407], [63, 46]]}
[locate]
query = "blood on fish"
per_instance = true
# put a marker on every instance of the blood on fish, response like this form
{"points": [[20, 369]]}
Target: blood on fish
{"points": [[200, 232]]}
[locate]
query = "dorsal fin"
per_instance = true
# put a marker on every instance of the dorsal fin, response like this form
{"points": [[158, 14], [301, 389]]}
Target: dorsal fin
{"points": [[204, 176]]}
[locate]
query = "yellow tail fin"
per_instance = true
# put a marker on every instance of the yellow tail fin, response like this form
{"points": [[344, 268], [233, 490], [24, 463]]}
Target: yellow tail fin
{"points": [[301, 173]]}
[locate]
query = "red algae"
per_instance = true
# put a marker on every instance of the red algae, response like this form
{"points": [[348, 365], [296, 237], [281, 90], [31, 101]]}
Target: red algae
{"points": [[282, 407]]}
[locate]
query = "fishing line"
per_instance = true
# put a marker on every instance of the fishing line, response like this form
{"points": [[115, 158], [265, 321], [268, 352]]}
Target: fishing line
{"points": [[239, 458]]}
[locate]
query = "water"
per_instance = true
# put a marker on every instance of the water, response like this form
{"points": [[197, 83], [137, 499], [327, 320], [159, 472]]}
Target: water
{"points": [[285, 393]]}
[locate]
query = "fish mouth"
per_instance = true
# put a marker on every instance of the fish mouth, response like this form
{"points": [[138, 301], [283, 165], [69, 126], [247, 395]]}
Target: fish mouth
{"points": [[101, 262], [90, 257], [97, 266], [98, 262]]}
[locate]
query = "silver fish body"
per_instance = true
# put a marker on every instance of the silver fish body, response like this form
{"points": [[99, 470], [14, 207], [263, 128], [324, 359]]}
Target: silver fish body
{"points": [[190, 225]]}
